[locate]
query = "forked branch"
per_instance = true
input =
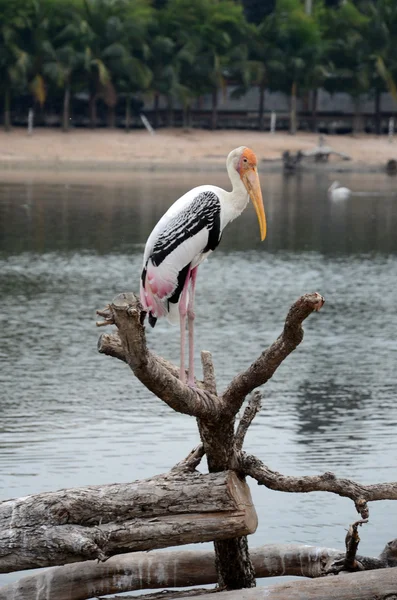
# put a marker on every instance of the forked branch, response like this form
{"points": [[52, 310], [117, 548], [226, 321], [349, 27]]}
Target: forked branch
{"points": [[327, 482], [161, 377], [268, 362], [156, 374]]}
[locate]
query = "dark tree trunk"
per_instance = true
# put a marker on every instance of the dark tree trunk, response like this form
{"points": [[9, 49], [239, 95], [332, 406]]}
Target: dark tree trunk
{"points": [[261, 110], [232, 556], [189, 116], [93, 112], [378, 112], [128, 112], [111, 117], [357, 118], [156, 110], [314, 109], [66, 108], [214, 114], [292, 122], [7, 111], [170, 112], [185, 116]]}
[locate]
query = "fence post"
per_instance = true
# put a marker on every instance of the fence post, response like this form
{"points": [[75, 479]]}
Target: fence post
{"points": [[30, 121], [391, 129], [273, 119]]}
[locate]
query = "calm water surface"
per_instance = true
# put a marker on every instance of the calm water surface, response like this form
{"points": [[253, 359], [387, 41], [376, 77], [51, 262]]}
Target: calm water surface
{"points": [[72, 417]]}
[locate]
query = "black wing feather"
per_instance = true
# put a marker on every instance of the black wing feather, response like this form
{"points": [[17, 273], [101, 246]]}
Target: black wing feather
{"points": [[203, 212]]}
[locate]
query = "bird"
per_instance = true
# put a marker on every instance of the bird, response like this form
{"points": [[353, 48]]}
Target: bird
{"points": [[338, 193], [185, 236]]}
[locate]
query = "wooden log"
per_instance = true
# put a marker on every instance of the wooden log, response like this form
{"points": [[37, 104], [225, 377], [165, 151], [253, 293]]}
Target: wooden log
{"points": [[181, 568], [368, 585], [97, 522], [365, 585]]}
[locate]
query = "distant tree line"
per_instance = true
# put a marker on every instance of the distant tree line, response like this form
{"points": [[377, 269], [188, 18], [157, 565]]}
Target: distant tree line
{"points": [[114, 51]]}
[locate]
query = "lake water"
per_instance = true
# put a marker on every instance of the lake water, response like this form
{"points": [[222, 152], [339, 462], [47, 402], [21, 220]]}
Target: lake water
{"points": [[72, 417]]}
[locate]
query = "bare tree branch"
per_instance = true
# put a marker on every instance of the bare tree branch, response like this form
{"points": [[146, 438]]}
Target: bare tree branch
{"points": [[110, 344], [251, 410], [327, 482], [192, 460], [350, 562], [127, 314], [208, 372], [265, 366]]}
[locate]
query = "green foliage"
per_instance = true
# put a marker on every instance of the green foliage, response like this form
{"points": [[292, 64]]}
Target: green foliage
{"points": [[182, 49]]}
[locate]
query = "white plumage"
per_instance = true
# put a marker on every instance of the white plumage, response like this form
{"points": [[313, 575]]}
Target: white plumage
{"points": [[338, 193], [186, 234]]}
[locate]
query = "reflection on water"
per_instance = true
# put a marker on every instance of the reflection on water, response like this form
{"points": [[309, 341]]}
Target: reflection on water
{"points": [[71, 417]]}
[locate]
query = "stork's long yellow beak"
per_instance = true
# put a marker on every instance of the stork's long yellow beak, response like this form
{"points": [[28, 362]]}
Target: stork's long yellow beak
{"points": [[252, 184]]}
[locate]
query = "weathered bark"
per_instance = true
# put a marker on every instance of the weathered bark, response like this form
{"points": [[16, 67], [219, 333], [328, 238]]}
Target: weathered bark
{"points": [[66, 108], [96, 522], [216, 415], [264, 367], [375, 585], [327, 482], [181, 568], [127, 314]]}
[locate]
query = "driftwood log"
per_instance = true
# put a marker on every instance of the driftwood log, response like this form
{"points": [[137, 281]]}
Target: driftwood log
{"points": [[373, 585], [216, 416], [182, 568], [97, 522], [96, 531], [320, 153]]}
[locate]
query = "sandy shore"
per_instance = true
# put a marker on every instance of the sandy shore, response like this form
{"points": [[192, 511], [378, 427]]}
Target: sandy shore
{"points": [[173, 149]]}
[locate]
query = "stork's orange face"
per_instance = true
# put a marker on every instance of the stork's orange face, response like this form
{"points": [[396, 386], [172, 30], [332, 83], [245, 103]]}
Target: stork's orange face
{"points": [[249, 176]]}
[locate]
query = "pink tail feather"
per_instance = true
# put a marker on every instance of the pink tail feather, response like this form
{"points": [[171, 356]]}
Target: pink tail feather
{"points": [[150, 302]]}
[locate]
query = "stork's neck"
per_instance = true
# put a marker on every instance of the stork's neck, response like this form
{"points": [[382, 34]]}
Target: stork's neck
{"points": [[238, 197]]}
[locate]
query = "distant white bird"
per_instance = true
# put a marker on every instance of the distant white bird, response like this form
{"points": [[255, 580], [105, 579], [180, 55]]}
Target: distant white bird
{"points": [[188, 232], [338, 193]]}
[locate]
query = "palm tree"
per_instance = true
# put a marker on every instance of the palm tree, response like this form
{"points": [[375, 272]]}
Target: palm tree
{"points": [[267, 65], [63, 57], [114, 42], [163, 63], [382, 39], [204, 32], [14, 61], [348, 52], [297, 40]]}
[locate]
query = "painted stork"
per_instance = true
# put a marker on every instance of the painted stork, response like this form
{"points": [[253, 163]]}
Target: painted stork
{"points": [[186, 234], [335, 192]]}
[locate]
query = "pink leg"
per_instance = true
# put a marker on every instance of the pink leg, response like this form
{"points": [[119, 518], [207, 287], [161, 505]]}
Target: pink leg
{"points": [[182, 322], [191, 316]]}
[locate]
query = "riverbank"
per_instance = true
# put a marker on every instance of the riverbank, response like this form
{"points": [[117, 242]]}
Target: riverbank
{"points": [[177, 149]]}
